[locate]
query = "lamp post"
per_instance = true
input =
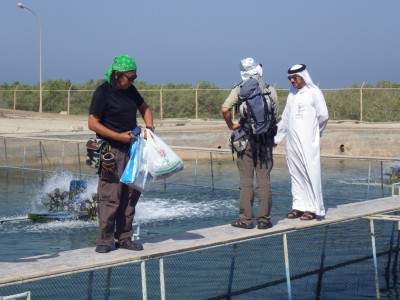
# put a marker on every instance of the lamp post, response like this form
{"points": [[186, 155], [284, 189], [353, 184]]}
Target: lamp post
{"points": [[22, 6]]}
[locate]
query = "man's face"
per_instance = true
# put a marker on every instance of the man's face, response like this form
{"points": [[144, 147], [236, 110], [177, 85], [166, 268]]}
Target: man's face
{"points": [[125, 79], [297, 81]]}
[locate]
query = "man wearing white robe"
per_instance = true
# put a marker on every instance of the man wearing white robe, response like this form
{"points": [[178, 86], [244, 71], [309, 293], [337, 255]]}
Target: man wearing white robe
{"points": [[303, 121]]}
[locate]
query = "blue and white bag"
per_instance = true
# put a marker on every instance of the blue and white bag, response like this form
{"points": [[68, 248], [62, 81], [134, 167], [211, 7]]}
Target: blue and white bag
{"points": [[136, 172]]}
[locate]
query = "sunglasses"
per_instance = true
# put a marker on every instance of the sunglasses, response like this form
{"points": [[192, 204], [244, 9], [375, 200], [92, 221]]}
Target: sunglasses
{"points": [[130, 78], [293, 77]]}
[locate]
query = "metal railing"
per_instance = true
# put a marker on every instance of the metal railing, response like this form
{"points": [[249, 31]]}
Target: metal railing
{"points": [[25, 295], [362, 104], [50, 155], [336, 258]]}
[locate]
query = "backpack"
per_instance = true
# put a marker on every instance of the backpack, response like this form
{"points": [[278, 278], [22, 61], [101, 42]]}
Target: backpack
{"points": [[256, 109], [239, 139]]}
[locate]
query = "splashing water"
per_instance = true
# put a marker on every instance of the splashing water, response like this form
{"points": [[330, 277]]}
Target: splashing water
{"points": [[166, 209], [153, 207]]}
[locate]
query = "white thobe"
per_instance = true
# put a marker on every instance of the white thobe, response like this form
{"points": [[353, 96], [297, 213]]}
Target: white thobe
{"points": [[303, 121]]}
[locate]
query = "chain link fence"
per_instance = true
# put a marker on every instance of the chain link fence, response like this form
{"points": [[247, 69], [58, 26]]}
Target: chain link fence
{"points": [[358, 104], [360, 178], [327, 262]]}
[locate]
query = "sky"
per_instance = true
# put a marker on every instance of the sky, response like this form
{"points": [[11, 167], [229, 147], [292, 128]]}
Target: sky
{"points": [[342, 42]]}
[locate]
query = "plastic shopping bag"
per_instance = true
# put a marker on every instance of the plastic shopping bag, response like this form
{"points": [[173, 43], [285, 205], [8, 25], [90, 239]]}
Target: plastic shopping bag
{"points": [[143, 177], [162, 160], [136, 171]]}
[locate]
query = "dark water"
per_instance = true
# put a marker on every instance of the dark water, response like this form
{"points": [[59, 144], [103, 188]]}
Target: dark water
{"points": [[177, 206]]}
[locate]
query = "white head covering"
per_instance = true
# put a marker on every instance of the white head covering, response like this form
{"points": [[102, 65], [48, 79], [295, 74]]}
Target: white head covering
{"points": [[249, 67], [300, 70]]}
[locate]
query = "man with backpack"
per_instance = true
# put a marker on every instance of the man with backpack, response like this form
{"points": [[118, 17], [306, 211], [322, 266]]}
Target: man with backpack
{"points": [[252, 139]]}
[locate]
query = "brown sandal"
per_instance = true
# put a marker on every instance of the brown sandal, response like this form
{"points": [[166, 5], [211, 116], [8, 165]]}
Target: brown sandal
{"points": [[294, 214], [307, 216], [239, 224]]}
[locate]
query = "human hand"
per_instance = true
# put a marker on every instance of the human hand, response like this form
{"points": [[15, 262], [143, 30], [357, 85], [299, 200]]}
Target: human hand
{"points": [[235, 126], [127, 137]]}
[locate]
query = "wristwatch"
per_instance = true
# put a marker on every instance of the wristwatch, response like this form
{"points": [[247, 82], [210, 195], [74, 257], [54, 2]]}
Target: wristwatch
{"points": [[152, 128]]}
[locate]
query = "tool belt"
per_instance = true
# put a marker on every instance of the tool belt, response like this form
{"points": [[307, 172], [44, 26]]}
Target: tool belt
{"points": [[96, 148]]}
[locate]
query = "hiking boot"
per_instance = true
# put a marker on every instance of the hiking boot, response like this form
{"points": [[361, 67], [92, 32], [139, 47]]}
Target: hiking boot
{"points": [[129, 244], [264, 225], [102, 249]]}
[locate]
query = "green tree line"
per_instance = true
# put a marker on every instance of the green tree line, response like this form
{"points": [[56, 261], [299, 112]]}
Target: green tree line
{"points": [[372, 103]]}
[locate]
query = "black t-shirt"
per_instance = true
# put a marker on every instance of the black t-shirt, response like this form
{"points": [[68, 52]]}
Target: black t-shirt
{"points": [[116, 109]]}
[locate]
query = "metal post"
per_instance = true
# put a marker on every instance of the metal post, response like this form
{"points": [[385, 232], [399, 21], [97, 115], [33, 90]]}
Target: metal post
{"points": [[371, 222], [79, 160], [108, 284], [69, 100], [382, 178], [161, 102], [195, 169], [162, 279], [5, 154], [15, 97], [22, 6], [212, 171], [389, 259], [23, 161], [321, 266], [197, 101], [41, 156], [90, 286], [361, 102], [286, 254], [369, 179], [232, 269], [144, 284], [396, 256], [5, 151], [62, 157], [136, 236]]}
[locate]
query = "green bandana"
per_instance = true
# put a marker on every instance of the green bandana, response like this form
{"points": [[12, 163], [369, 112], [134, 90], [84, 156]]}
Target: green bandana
{"points": [[122, 63]]}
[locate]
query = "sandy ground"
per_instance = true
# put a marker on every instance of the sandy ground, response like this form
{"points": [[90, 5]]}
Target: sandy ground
{"points": [[23, 122], [16, 122], [365, 139]]}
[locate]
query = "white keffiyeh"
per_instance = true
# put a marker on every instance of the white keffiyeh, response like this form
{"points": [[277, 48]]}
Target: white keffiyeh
{"points": [[249, 67], [302, 73]]}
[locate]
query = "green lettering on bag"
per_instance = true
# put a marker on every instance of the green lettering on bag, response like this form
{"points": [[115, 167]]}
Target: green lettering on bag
{"points": [[174, 168]]}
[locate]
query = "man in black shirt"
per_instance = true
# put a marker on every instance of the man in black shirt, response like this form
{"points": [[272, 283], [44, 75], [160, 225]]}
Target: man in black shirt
{"points": [[112, 116]]}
